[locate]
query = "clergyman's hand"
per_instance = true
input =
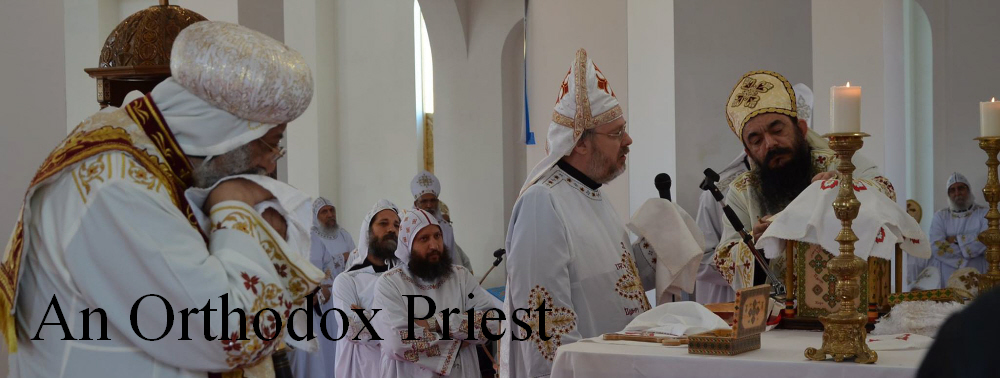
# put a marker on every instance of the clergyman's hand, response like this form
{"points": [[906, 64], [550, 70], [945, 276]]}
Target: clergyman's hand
{"points": [[824, 176], [758, 228], [277, 222]]}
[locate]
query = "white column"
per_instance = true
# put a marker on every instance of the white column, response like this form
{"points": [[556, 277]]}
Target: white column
{"points": [[651, 90], [303, 134], [87, 24]]}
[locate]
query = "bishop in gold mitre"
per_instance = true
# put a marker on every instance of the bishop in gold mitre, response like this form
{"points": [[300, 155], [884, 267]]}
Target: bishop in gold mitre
{"points": [[785, 156]]}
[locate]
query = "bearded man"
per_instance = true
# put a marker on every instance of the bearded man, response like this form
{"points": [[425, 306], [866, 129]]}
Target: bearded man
{"points": [[358, 355], [426, 277], [954, 237], [567, 247], [105, 224], [785, 157]]}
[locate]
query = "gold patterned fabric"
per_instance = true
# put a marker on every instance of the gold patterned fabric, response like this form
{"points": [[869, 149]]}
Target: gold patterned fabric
{"points": [[756, 93]]}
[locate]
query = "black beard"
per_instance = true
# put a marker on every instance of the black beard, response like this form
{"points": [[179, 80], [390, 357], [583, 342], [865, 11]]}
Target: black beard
{"points": [[383, 249], [432, 272], [779, 186]]}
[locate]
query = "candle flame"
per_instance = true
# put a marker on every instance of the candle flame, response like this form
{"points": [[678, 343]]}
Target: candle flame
{"points": [[848, 84]]}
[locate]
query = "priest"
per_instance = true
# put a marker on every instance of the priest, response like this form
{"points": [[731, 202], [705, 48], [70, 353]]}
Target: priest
{"points": [[423, 285], [954, 237], [712, 287], [330, 246], [567, 248], [105, 225], [426, 188], [359, 355], [785, 156]]}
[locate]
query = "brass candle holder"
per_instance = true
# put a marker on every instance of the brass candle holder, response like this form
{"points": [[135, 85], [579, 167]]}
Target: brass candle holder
{"points": [[844, 331], [991, 237]]}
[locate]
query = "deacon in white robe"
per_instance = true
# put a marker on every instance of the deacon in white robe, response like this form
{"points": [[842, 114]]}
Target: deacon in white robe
{"points": [[711, 286], [954, 237], [330, 246], [358, 355], [785, 156], [105, 224], [567, 248], [426, 188], [439, 345]]}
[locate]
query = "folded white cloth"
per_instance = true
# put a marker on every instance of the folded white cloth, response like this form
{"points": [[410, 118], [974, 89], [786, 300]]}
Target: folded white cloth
{"points": [[296, 207], [903, 341], [290, 202], [677, 241], [677, 318], [918, 317], [880, 225]]}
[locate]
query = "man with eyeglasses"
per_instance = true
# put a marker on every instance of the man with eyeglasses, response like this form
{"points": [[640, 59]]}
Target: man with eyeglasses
{"points": [[567, 248], [425, 188]]}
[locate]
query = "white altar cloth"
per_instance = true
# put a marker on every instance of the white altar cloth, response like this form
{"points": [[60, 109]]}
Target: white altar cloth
{"points": [[782, 354]]}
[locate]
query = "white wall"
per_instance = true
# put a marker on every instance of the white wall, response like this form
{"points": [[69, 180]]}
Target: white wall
{"points": [[651, 116], [848, 46], [556, 29], [467, 44], [374, 97], [717, 41], [966, 44], [32, 102]]}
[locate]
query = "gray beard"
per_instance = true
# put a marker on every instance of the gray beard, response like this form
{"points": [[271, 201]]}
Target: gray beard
{"points": [[328, 232], [603, 168], [235, 162], [960, 207]]}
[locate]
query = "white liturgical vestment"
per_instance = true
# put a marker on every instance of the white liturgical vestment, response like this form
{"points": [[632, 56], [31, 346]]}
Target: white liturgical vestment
{"points": [[429, 355], [567, 249]]}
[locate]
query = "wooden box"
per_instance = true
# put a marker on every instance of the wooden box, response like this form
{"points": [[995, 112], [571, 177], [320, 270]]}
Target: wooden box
{"points": [[749, 321], [811, 285]]}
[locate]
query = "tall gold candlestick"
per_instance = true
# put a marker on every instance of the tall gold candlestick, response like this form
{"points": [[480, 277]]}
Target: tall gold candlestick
{"points": [[991, 237], [844, 331]]}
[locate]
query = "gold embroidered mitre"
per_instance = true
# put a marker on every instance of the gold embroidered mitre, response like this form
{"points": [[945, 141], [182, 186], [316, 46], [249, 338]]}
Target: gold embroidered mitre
{"points": [[759, 92]]}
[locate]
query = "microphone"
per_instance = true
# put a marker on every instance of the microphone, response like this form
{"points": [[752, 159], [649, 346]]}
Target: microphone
{"points": [[498, 254], [662, 183], [777, 288]]}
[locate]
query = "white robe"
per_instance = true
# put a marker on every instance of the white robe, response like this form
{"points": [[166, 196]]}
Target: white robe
{"points": [[104, 233], [327, 254], [568, 248], [966, 251], [429, 355], [712, 287], [359, 358]]}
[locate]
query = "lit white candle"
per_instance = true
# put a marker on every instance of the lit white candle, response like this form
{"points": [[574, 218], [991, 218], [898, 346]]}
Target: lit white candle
{"points": [[989, 118], [845, 109]]}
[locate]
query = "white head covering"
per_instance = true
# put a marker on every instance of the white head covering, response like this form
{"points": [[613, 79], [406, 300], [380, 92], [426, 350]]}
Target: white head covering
{"points": [[585, 101], [423, 183], [361, 254], [414, 221], [317, 227], [957, 178], [804, 101], [229, 86]]}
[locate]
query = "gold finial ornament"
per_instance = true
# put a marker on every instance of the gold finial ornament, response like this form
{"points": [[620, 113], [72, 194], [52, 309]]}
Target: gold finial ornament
{"points": [[844, 331], [991, 237]]}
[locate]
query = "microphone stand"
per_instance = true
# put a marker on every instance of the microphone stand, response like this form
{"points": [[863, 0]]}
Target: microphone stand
{"points": [[498, 254], [777, 287]]}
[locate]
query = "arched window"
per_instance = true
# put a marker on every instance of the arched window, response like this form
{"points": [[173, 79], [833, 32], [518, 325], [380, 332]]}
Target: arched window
{"points": [[424, 75]]}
